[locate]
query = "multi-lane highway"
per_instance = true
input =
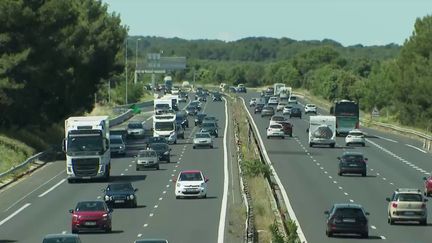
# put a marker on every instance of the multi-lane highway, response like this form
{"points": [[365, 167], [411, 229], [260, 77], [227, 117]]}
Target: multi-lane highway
{"points": [[39, 204], [309, 177]]}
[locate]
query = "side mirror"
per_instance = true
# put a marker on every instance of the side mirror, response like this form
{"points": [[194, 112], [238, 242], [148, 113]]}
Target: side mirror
{"points": [[71, 210], [326, 212], [367, 213], [206, 179], [388, 199], [136, 189], [366, 159], [307, 130], [425, 178], [339, 158]]}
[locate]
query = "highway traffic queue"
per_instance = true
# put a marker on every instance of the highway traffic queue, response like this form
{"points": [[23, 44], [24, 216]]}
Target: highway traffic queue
{"points": [[405, 204], [89, 146]]}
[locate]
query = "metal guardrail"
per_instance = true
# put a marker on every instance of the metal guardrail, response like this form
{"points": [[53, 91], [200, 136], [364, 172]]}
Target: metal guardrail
{"points": [[115, 121]]}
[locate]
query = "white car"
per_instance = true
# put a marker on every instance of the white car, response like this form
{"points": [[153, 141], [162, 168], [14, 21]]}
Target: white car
{"points": [[355, 137], [275, 130], [287, 110], [292, 100], [273, 101], [310, 108], [252, 102], [203, 139], [281, 106], [191, 183]]}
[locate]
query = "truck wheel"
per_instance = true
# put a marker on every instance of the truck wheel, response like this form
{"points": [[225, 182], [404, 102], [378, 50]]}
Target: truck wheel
{"points": [[311, 145], [71, 180], [332, 145], [157, 167]]}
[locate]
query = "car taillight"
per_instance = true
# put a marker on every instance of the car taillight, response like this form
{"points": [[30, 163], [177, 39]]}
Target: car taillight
{"points": [[394, 205]]}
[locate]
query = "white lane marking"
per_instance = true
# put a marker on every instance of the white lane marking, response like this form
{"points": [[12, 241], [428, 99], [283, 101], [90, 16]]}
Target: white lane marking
{"points": [[139, 235], [224, 205], [164, 192], [37, 188], [388, 139], [322, 168], [130, 165], [346, 194], [151, 215], [145, 225], [64, 232], [288, 205], [126, 169], [160, 199], [414, 147], [52, 188], [382, 237], [167, 186], [373, 227], [122, 174], [351, 201], [335, 182], [156, 206], [14, 213]]}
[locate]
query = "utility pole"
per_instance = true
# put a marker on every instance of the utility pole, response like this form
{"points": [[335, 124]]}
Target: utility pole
{"points": [[136, 60], [126, 71], [109, 91]]}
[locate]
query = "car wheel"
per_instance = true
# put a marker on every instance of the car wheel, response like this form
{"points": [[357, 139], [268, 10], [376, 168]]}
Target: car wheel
{"points": [[283, 137], [175, 142], [363, 144], [108, 230], [364, 174], [347, 144], [423, 222], [216, 135], [75, 231], [340, 173], [332, 145], [205, 195], [311, 145], [211, 146], [157, 167], [187, 125], [329, 233], [290, 135], [193, 147], [168, 160], [391, 221], [71, 181], [268, 137], [365, 235]]}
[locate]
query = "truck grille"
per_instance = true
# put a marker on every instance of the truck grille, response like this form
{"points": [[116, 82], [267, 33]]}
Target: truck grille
{"points": [[85, 167]]}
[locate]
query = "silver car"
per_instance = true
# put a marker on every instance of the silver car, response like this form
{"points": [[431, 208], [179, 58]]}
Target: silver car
{"points": [[135, 129], [202, 139], [147, 159]]}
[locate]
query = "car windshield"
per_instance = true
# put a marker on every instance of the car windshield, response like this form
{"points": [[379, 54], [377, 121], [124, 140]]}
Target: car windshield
{"points": [[202, 135], [288, 107], [157, 140], [158, 146], [116, 140], [135, 125], [349, 212], [196, 176], [209, 125], [147, 154], [278, 118], [409, 197], [356, 134], [164, 126], [61, 239], [276, 126], [120, 187], [353, 158], [90, 206], [209, 118], [310, 106]]}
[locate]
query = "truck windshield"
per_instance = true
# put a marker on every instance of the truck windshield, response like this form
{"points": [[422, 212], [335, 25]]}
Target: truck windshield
{"points": [[162, 106], [83, 143], [164, 126]]}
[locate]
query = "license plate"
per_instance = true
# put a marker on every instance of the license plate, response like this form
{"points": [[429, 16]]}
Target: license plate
{"points": [[353, 165], [90, 223], [348, 220], [190, 189], [119, 201], [409, 213]]}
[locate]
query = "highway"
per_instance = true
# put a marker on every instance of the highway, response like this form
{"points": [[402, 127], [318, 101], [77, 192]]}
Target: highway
{"points": [[39, 204], [309, 177]]}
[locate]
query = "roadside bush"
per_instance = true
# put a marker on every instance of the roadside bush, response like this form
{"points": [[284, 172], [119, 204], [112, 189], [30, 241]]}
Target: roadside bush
{"points": [[255, 168]]}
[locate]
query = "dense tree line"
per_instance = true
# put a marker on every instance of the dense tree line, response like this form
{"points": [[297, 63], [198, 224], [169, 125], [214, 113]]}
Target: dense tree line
{"points": [[54, 54], [397, 80]]}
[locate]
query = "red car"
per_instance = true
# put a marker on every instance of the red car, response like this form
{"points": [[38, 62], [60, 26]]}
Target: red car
{"points": [[427, 186], [287, 127], [91, 215]]}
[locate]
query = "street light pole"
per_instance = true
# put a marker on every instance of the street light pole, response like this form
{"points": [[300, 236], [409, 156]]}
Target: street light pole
{"points": [[126, 71], [136, 60]]}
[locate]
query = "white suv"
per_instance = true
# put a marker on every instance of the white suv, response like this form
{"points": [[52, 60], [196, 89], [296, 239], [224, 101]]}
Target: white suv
{"points": [[191, 183], [407, 205], [355, 137], [310, 108], [275, 130]]}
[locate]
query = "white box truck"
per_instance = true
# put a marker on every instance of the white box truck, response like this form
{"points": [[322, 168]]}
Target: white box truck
{"points": [[277, 87], [87, 148], [162, 105], [322, 130]]}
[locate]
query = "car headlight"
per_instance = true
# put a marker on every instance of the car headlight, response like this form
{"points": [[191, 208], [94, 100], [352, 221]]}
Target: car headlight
{"points": [[178, 184], [131, 197], [202, 184], [166, 153], [107, 198]]}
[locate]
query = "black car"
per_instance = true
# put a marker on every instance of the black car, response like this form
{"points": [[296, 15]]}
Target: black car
{"points": [[191, 110], [163, 151], [241, 90], [347, 218], [181, 119], [199, 118], [202, 98], [295, 112], [210, 127], [196, 104], [152, 140], [120, 193], [267, 111], [217, 97], [258, 108], [352, 163], [180, 131], [210, 119]]}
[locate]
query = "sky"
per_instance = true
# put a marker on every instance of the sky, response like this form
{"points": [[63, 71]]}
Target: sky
{"points": [[349, 22]]}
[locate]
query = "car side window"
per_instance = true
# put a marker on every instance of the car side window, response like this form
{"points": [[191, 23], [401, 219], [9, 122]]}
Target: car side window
{"points": [[393, 198]]}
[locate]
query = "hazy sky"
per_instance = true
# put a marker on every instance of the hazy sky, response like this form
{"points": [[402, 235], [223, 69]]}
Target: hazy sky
{"points": [[367, 22]]}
